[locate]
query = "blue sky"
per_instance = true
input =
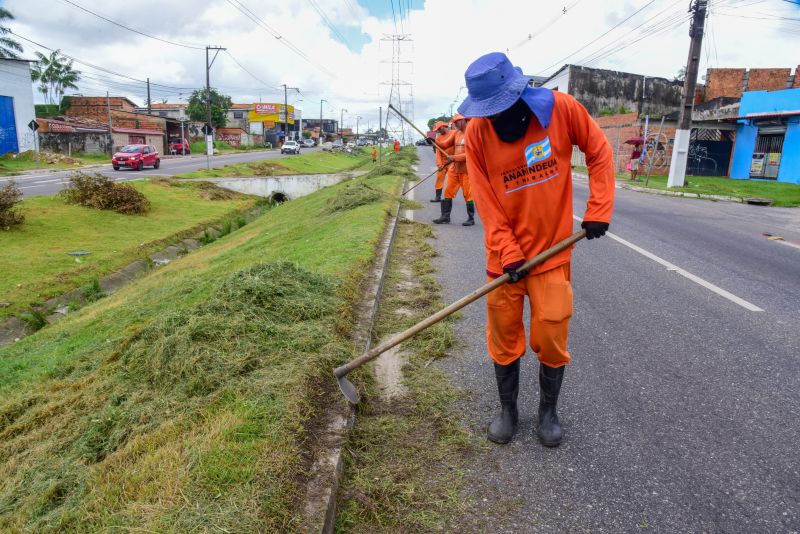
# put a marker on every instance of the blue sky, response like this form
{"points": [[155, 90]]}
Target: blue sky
{"points": [[355, 39]]}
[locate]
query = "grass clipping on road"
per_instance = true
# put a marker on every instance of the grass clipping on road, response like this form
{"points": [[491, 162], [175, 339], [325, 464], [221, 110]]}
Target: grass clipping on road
{"points": [[405, 459], [186, 401]]}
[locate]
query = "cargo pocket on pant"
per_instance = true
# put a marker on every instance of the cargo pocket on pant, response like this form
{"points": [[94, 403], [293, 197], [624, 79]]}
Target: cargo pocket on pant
{"points": [[557, 301]]}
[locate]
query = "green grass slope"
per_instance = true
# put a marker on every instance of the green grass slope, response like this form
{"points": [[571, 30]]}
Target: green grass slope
{"points": [[182, 402]]}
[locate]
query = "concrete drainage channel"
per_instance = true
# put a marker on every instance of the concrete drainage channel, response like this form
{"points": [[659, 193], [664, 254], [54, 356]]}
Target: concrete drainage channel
{"points": [[276, 189], [319, 509]]}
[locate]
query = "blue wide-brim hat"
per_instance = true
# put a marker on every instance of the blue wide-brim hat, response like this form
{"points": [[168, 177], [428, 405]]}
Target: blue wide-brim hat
{"points": [[494, 85]]}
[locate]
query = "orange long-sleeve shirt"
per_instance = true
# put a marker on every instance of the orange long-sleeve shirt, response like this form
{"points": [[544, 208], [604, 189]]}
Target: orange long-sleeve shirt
{"points": [[444, 141], [523, 190]]}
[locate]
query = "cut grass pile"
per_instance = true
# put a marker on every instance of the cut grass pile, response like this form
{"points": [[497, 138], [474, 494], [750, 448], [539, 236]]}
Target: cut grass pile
{"points": [[406, 458], [185, 401], [782, 194], [353, 195], [33, 256], [319, 162]]}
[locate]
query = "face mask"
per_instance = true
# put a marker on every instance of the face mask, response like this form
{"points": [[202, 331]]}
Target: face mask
{"points": [[511, 124]]}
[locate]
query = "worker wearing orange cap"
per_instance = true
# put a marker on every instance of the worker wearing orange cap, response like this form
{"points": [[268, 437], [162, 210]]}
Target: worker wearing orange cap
{"points": [[441, 160], [519, 147], [457, 177]]}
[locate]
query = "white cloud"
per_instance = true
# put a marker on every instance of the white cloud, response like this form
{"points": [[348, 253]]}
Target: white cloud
{"points": [[447, 35]]}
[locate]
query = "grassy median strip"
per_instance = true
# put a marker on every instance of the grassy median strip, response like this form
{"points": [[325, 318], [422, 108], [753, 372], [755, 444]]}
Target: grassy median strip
{"points": [[320, 162], [13, 164], [406, 458], [33, 256], [183, 402]]}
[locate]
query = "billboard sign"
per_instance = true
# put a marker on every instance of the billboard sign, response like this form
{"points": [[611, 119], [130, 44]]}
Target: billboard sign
{"points": [[270, 112]]}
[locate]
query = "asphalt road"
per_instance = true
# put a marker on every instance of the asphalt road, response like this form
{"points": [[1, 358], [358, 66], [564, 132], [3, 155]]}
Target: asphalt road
{"points": [[49, 183], [681, 407]]}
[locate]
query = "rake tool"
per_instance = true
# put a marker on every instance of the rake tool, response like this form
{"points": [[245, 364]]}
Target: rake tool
{"points": [[349, 390], [420, 182]]}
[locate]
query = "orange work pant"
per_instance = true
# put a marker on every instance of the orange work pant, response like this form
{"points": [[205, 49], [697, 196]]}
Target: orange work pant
{"points": [[440, 178], [456, 180], [550, 296]]}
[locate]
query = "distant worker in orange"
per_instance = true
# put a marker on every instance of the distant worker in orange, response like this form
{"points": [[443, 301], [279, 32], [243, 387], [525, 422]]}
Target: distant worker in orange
{"points": [[374, 154], [396, 146], [519, 148], [457, 177], [441, 137]]}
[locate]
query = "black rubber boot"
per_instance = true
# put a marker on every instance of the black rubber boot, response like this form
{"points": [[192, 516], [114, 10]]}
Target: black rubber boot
{"points": [[438, 196], [504, 425], [549, 387], [447, 207], [470, 215]]}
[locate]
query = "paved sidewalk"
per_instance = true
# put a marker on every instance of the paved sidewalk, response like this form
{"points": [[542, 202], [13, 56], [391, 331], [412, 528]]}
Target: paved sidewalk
{"points": [[681, 408]]}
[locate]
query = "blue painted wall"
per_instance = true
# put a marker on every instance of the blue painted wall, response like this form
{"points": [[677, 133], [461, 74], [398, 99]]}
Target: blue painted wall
{"points": [[746, 132]]}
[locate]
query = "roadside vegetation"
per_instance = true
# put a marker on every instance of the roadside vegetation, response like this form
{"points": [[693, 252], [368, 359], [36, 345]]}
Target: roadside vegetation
{"points": [[782, 194], [320, 162], [406, 459], [10, 198], [34, 259], [100, 192], [186, 401], [13, 164]]}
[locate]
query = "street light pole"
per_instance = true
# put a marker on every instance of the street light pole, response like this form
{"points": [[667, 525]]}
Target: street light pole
{"points": [[286, 110], [341, 122], [358, 118], [209, 135]]}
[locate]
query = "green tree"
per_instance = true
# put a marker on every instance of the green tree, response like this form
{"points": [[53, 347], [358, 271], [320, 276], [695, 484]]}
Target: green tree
{"points": [[433, 121], [220, 104], [8, 46], [681, 74], [54, 75]]}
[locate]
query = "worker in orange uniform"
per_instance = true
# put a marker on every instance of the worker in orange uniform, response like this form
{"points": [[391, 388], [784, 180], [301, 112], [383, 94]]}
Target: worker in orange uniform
{"points": [[374, 154], [457, 176], [519, 148], [396, 146], [441, 161]]}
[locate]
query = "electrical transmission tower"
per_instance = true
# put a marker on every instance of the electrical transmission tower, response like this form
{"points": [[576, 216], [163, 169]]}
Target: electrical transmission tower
{"points": [[401, 92]]}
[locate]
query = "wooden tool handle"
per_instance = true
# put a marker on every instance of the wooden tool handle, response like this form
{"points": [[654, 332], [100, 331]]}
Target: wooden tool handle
{"points": [[454, 307], [440, 149]]}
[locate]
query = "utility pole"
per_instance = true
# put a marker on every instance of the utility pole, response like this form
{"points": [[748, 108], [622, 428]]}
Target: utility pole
{"points": [[110, 126], [320, 120], [286, 110], [341, 122], [380, 135], [680, 150], [210, 135], [149, 103]]}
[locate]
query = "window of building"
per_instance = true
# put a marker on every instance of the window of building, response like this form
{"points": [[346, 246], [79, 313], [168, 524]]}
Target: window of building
{"points": [[162, 113], [238, 114]]}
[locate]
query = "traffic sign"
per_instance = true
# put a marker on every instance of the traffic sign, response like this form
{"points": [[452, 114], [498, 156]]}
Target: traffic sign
{"points": [[207, 129], [33, 125]]}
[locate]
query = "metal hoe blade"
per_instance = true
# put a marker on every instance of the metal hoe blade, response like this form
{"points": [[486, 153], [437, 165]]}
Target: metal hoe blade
{"points": [[348, 390]]}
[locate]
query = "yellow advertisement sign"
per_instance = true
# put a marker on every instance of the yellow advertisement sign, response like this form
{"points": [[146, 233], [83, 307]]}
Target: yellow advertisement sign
{"points": [[268, 112]]}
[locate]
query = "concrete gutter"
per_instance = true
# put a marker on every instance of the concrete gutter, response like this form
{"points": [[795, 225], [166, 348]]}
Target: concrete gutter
{"points": [[319, 510]]}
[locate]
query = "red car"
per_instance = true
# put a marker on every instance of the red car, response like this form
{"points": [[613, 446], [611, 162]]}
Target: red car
{"points": [[136, 157], [178, 146]]}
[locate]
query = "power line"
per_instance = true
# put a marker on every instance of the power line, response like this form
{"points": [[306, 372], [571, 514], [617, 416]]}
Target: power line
{"points": [[328, 23], [102, 69], [545, 26], [248, 72], [274, 33], [617, 25], [129, 28]]}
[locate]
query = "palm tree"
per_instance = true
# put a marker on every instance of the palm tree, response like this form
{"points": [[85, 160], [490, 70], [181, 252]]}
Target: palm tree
{"points": [[55, 75], [8, 46]]}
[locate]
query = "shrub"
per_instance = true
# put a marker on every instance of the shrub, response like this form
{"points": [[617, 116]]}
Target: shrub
{"points": [[10, 196], [98, 192]]}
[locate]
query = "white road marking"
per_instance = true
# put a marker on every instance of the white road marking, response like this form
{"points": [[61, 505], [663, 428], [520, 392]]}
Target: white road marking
{"points": [[694, 278], [48, 181], [782, 242]]}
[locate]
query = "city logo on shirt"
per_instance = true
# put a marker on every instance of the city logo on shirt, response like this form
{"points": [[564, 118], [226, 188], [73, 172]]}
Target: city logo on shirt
{"points": [[538, 151]]}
